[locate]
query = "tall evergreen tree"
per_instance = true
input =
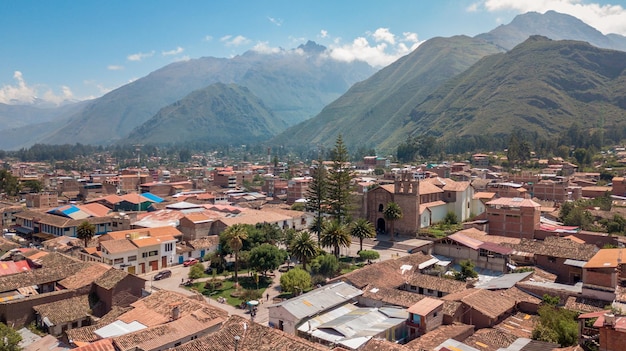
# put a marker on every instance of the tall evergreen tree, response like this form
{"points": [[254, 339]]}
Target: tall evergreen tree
{"points": [[339, 182], [316, 195]]}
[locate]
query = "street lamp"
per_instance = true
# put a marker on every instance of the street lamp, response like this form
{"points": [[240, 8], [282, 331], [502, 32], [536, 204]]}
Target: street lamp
{"points": [[237, 338]]}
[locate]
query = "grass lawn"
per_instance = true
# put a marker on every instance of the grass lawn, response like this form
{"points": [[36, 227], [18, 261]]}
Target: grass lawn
{"points": [[227, 288]]}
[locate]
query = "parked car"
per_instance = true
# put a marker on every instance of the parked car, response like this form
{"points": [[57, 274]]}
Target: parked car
{"points": [[163, 274], [190, 262]]}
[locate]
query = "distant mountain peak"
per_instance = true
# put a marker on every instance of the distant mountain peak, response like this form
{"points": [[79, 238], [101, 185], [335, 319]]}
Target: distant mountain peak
{"points": [[312, 47]]}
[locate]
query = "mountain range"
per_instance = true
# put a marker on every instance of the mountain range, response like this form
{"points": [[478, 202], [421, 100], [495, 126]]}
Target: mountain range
{"points": [[447, 87]]}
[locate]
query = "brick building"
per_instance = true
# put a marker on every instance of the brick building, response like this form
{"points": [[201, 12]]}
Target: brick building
{"points": [[513, 217], [406, 193], [297, 188], [42, 200]]}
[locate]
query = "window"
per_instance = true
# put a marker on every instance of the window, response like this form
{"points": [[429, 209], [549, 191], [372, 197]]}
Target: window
{"points": [[150, 253], [132, 258], [169, 247], [435, 314], [551, 259], [118, 260], [380, 208]]}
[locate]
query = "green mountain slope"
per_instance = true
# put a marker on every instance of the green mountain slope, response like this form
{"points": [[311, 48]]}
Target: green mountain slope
{"points": [[217, 114], [372, 110], [540, 86]]}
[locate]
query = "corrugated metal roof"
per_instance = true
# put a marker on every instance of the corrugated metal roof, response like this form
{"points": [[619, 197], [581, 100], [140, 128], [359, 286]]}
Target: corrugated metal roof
{"points": [[118, 328], [452, 344], [505, 281], [320, 299], [575, 263], [152, 197]]}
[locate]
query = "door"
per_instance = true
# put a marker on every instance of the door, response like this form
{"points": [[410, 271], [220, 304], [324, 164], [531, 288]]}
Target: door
{"points": [[163, 261], [131, 269], [143, 267], [154, 265]]}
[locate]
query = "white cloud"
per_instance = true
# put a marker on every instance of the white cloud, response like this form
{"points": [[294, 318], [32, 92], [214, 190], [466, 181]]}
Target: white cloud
{"points": [[264, 48], [473, 7], [605, 18], [277, 21], [176, 51], [323, 33], [385, 49], [208, 38], [115, 67], [384, 35], [229, 40], [140, 56], [22, 93]]}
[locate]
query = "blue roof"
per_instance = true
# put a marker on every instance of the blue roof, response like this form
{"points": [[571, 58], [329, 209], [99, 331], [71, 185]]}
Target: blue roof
{"points": [[152, 197]]}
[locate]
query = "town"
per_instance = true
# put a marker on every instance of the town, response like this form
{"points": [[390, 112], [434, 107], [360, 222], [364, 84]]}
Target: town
{"points": [[334, 254]]}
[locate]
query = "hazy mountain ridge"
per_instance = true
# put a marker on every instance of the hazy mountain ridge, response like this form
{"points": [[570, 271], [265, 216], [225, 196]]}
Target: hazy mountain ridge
{"points": [[218, 114], [294, 84]]}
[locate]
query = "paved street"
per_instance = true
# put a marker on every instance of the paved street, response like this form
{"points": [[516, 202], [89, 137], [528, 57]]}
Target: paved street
{"points": [[387, 249]]}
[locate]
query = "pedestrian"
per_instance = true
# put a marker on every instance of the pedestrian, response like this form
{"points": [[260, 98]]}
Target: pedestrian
{"points": [[267, 296]]}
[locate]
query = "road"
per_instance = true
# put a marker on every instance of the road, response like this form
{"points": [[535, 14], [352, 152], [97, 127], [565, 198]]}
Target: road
{"points": [[387, 250]]}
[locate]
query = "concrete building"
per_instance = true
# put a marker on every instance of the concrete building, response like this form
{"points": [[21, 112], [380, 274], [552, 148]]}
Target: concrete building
{"points": [[513, 217]]}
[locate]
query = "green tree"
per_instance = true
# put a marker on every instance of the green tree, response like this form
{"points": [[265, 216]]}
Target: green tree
{"points": [[9, 184], [295, 281], [392, 213], [303, 248], [196, 271], [9, 338], [33, 185], [235, 235], [86, 231], [450, 218], [336, 236], [325, 265], [369, 255], [339, 182], [266, 257], [557, 325], [317, 195], [580, 217], [467, 271], [362, 229]]}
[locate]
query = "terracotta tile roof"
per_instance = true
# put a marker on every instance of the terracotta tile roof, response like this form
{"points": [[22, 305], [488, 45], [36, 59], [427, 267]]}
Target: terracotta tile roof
{"points": [[197, 217], [426, 305], [518, 296], [445, 285], [520, 325], [452, 185], [139, 232], [255, 216], [392, 296], [95, 209], [118, 246], [385, 274], [110, 278], [490, 303], [38, 276], [253, 337], [384, 345], [450, 308], [606, 258], [152, 241], [484, 195], [490, 339], [158, 306], [205, 242], [585, 305], [428, 188], [156, 337], [85, 276], [99, 345], [432, 339], [556, 247], [86, 334], [64, 311]]}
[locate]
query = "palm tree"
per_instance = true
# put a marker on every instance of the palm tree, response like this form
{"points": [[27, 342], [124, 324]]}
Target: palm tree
{"points": [[85, 231], [235, 236], [335, 235], [362, 229], [392, 213], [303, 247], [317, 227]]}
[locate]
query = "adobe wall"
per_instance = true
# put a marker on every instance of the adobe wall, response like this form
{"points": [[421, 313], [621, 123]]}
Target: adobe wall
{"points": [[19, 313]]}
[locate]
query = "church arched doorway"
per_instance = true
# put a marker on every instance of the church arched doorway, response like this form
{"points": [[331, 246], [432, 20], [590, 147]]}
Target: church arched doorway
{"points": [[380, 225]]}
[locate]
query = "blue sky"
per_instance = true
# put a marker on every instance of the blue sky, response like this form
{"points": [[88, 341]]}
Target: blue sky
{"points": [[68, 49]]}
